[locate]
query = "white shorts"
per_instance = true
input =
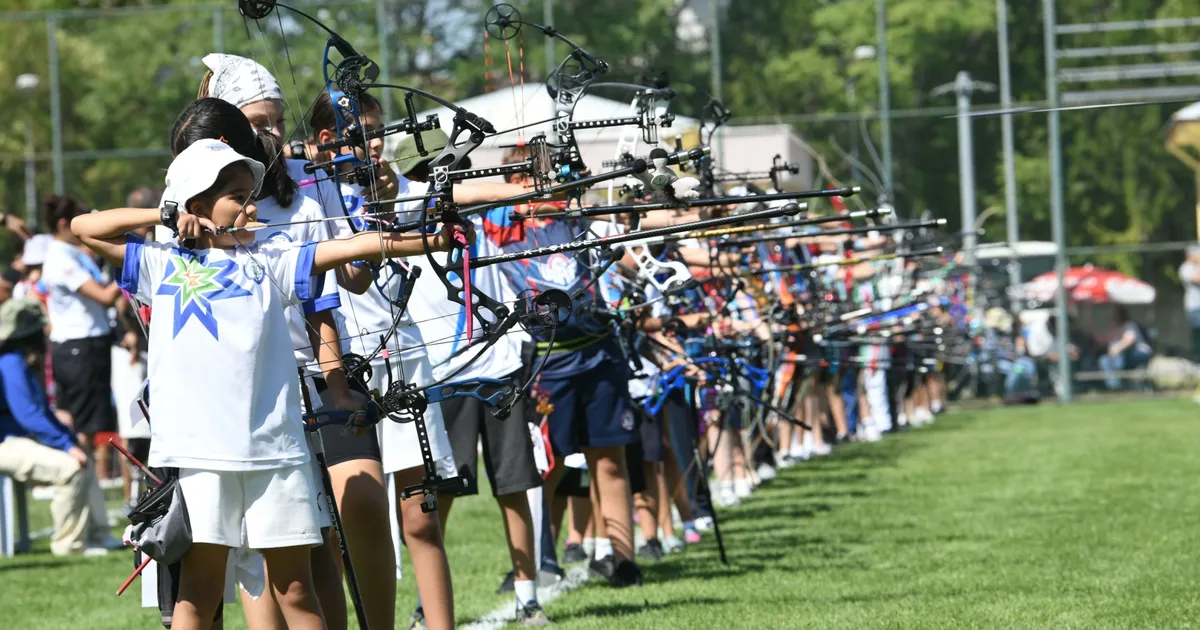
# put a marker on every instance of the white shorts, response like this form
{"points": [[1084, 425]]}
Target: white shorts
{"points": [[398, 441], [277, 507], [127, 381]]}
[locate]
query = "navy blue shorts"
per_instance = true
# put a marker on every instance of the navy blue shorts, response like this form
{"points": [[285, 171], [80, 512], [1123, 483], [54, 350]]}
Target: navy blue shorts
{"points": [[591, 409]]}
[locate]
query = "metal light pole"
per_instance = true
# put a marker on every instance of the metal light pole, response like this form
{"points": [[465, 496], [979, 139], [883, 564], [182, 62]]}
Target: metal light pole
{"points": [[27, 85], [60, 184], [962, 87], [717, 80], [885, 106], [548, 20], [1006, 133], [1056, 200], [861, 53]]}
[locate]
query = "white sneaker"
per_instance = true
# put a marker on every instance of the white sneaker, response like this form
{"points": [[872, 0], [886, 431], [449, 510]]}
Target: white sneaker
{"points": [[923, 416], [819, 450], [742, 488], [784, 460], [871, 434], [703, 524], [94, 552], [726, 500], [766, 473], [902, 419]]}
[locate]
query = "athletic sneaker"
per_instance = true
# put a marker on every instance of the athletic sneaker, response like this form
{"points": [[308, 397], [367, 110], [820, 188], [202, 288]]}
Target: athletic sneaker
{"points": [[691, 536], [742, 488], [819, 450], [652, 550], [531, 614], [550, 575], [726, 499], [603, 567], [672, 544], [573, 553], [704, 523], [547, 576], [766, 472], [417, 621], [626, 574]]}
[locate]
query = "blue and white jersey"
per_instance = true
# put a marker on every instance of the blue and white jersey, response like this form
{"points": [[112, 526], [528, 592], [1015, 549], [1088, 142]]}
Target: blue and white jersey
{"points": [[222, 381], [585, 341]]}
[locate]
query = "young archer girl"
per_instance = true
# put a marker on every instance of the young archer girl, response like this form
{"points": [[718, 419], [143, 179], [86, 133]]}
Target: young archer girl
{"points": [[220, 304], [243, 84]]}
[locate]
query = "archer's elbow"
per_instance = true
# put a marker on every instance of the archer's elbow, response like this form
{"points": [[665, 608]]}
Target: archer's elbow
{"points": [[356, 280]]}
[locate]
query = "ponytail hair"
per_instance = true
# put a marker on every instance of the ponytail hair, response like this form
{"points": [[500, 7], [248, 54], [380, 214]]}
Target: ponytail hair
{"points": [[269, 151], [55, 208], [213, 118], [202, 92]]}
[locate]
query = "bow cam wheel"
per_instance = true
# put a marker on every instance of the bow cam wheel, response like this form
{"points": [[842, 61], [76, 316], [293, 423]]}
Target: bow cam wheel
{"points": [[256, 9], [502, 22], [541, 312]]}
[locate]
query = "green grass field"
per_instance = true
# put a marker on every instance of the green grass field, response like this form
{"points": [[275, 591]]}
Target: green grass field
{"points": [[1034, 517]]}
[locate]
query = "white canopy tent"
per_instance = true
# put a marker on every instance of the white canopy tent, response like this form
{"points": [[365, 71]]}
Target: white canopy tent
{"points": [[745, 148]]}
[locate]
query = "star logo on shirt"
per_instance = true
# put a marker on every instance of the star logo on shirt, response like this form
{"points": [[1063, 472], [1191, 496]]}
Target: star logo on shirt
{"points": [[196, 284]]}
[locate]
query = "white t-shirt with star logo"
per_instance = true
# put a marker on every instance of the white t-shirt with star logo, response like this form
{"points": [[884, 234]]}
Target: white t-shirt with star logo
{"points": [[224, 391]]}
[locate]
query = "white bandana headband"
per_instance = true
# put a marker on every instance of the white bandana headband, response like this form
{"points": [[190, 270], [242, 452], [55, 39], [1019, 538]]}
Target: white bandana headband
{"points": [[240, 81]]}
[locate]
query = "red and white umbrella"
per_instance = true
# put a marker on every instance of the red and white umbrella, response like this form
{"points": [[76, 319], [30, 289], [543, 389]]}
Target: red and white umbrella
{"points": [[1091, 284]]}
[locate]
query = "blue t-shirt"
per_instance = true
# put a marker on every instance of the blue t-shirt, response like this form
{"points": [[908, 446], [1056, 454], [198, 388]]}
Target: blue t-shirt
{"points": [[24, 411], [584, 342]]}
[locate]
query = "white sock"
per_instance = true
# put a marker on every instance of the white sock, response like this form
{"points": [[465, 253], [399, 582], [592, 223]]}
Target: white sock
{"points": [[525, 590], [603, 548]]}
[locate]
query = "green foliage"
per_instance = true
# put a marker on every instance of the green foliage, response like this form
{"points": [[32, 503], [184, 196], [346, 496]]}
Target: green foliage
{"points": [[125, 77]]}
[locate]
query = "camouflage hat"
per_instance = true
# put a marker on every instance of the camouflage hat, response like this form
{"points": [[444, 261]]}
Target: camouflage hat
{"points": [[406, 157], [19, 319]]}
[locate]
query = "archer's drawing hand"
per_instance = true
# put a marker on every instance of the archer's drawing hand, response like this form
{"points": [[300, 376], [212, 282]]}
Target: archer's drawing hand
{"points": [[386, 183], [455, 235], [191, 226], [685, 188]]}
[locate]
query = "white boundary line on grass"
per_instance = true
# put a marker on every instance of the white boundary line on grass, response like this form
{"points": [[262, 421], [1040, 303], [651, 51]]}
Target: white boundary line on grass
{"points": [[506, 613]]}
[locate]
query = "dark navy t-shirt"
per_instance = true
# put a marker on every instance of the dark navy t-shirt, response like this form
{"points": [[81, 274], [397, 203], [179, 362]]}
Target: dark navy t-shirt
{"points": [[584, 342]]}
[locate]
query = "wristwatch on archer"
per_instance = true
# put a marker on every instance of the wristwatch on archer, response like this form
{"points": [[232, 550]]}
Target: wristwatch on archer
{"points": [[169, 216]]}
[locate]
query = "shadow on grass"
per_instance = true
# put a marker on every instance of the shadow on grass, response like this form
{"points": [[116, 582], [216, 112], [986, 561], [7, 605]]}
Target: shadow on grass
{"points": [[38, 564], [627, 609]]}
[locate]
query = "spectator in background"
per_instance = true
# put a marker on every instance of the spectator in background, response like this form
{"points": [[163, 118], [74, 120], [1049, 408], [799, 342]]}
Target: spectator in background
{"points": [[35, 447], [129, 364], [29, 263], [80, 332], [1128, 349], [1189, 276], [10, 279]]}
